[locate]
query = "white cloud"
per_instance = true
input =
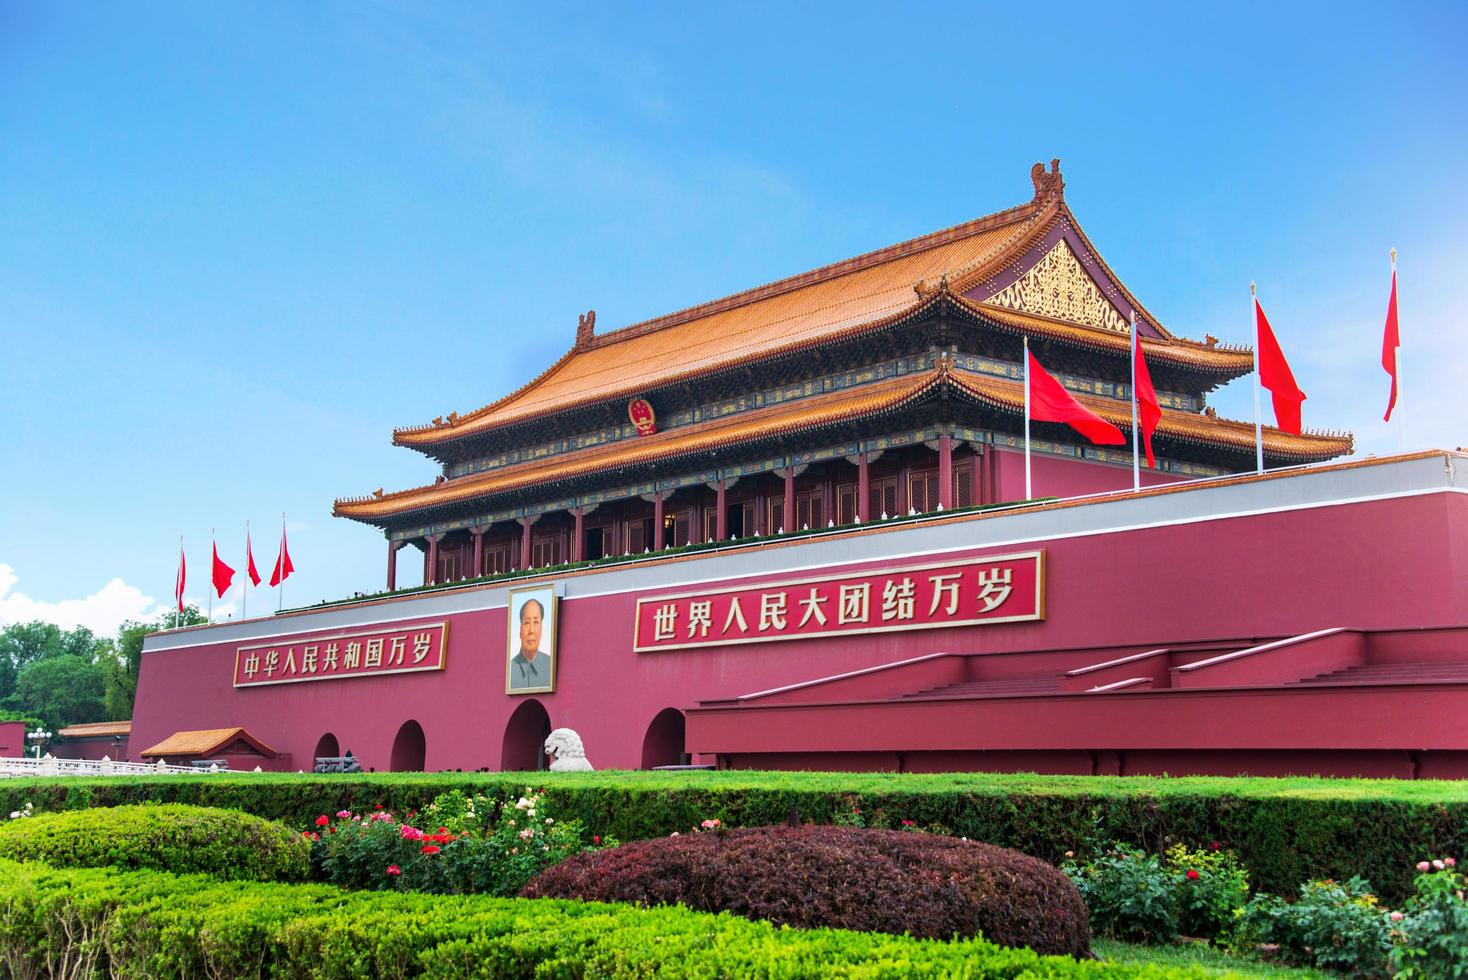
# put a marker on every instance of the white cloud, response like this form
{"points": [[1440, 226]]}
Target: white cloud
{"points": [[102, 612]]}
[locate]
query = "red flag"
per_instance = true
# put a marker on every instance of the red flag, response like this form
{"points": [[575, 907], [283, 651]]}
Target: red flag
{"points": [[283, 567], [1049, 402], [1275, 374], [1149, 412], [178, 581], [1390, 341], [250, 561], [222, 575]]}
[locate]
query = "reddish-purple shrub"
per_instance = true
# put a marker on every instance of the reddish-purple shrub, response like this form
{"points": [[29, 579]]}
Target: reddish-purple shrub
{"points": [[842, 877]]}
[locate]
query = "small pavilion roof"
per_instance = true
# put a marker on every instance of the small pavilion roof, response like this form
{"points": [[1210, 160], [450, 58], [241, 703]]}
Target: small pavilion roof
{"points": [[207, 742], [831, 303], [94, 729], [816, 412]]}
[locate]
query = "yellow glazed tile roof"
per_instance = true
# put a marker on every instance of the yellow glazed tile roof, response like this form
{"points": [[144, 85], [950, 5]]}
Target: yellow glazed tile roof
{"points": [[1309, 446], [815, 412], [830, 302], [95, 728], [204, 742], [1185, 353], [806, 413]]}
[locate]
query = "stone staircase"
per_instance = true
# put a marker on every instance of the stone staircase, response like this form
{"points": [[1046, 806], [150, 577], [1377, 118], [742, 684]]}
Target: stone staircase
{"points": [[1419, 673], [994, 688]]}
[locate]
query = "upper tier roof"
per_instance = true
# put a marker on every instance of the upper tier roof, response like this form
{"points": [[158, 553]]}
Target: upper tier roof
{"points": [[843, 299]]}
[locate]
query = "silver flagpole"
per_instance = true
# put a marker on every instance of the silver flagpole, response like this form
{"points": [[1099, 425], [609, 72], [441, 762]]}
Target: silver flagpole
{"points": [[1136, 435], [177, 585], [1258, 418], [1029, 493], [245, 583], [213, 548]]}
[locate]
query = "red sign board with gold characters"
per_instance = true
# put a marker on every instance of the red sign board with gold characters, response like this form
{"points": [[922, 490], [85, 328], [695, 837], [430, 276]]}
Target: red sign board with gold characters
{"points": [[971, 592], [325, 658]]}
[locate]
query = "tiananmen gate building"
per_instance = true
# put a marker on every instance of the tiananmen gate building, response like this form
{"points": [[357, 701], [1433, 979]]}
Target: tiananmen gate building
{"points": [[788, 529]]}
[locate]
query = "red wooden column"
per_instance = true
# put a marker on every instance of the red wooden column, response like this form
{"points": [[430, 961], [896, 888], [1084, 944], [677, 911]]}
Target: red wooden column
{"points": [[656, 544], [945, 472], [478, 568], [393, 547], [579, 536], [863, 488], [721, 518], [525, 523], [433, 540], [902, 505], [789, 519]]}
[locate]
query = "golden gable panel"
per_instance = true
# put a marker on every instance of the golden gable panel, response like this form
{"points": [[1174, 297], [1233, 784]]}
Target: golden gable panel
{"points": [[1057, 286]]}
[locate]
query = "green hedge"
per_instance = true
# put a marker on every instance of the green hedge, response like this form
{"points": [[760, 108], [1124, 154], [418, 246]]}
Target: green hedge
{"points": [[1286, 831], [56, 922], [168, 837]]}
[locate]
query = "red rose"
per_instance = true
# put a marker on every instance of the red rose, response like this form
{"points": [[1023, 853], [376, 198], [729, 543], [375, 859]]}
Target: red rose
{"points": [[1192, 875], [323, 820], [430, 848], [393, 869], [596, 839]]}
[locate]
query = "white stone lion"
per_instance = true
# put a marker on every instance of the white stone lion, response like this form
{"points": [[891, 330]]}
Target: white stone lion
{"points": [[564, 747]]}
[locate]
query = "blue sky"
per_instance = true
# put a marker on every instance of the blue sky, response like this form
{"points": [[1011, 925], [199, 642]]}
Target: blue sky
{"points": [[239, 243]]}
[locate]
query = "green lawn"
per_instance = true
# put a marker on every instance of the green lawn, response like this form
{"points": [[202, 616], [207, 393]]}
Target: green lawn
{"points": [[1198, 955], [1404, 791]]}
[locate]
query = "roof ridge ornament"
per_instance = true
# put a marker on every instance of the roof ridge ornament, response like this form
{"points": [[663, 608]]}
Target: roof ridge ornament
{"points": [[1048, 185], [585, 328]]}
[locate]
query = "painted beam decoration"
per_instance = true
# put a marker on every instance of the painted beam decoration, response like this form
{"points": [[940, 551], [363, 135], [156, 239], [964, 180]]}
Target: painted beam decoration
{"points": [[972, 592], [327, 658]]}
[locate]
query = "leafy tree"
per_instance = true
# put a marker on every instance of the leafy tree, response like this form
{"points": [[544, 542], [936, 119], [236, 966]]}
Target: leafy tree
{"points": [[122, 680], [60, 690], [25, 643]]}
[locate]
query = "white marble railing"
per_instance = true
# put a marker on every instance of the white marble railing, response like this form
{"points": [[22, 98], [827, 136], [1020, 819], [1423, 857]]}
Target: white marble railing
{"points": [[49, 766]]}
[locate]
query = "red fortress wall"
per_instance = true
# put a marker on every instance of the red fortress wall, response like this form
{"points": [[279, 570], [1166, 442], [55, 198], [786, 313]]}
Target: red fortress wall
{"points": [[1375, 546]]}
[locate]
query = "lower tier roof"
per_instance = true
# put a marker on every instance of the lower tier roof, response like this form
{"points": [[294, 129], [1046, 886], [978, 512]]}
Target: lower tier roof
{"points": [[821, 411]]}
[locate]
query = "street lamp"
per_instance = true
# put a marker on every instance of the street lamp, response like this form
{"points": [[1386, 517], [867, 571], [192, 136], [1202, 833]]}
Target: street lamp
{"points": [[38, 738]]}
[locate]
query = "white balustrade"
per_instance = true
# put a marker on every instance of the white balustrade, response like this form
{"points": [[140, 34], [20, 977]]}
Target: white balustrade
{"points": [[49, 766]]}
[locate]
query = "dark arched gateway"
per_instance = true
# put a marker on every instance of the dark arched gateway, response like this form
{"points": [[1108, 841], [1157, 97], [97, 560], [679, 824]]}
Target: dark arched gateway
{"points": [[326, 745], [663, 743], [525, 735], [408, 748]]}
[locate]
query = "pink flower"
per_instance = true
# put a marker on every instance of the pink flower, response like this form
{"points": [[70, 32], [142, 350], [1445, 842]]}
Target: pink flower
{"points": [[429, 848], [323, 820], [1423, 866], [343, 814], [596, 839], [411, 833], [1439, 865], [1450, 862], [393, 869], [909, 823], [1192, 875], [1397, 917], [709, 824]]}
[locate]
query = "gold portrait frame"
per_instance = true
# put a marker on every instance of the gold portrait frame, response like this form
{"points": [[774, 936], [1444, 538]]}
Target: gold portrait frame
{"points": [[548, 647]]}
